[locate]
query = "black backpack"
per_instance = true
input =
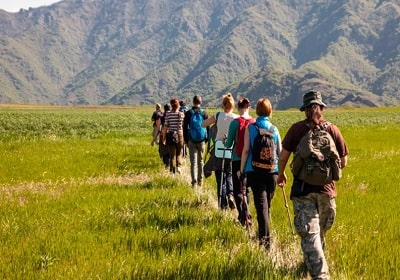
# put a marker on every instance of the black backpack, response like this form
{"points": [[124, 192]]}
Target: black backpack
{"points": [[263, 150]]}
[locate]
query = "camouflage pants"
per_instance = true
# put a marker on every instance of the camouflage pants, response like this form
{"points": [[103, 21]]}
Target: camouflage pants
{"points": [[314, 215]]}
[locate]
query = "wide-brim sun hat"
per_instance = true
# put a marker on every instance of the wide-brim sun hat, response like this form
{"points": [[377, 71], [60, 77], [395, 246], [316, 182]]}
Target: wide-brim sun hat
{"points": [[310, 98]]}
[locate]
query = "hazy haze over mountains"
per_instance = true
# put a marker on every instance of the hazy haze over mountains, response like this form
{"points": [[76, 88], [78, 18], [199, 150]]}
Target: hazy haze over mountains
{"points": [[78, 52]]}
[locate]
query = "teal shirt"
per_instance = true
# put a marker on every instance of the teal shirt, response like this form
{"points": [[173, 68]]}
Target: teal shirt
{"points": [[231, 138]]}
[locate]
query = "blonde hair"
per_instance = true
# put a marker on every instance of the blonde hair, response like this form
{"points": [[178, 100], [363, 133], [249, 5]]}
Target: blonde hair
{"points": [[264, 107], [228, 103]]}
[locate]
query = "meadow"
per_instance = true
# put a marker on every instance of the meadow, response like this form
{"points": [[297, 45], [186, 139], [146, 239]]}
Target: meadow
{"points": [[83, 195]]}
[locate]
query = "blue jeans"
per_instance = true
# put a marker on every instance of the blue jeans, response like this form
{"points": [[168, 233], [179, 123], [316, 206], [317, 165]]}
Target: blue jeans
{"points": [[196, 155]]}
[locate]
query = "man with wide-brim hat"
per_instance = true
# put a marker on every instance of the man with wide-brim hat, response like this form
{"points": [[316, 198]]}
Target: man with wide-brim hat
{"points": [[310, 98], [314, 206]]}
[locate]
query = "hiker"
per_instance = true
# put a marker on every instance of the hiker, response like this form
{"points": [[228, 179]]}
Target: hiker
{"points": [[195, 137], [235, 137], [313, 205], [261, 179], [173, 136], [155, 118], [223, 174], [162, 147], [183, 108]]}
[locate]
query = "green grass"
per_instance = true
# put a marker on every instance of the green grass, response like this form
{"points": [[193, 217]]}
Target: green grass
{"points": [[83, 195]]}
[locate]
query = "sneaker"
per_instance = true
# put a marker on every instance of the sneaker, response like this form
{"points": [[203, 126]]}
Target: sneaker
{"points": [[199, 183], [179, 171], [231, 202]]}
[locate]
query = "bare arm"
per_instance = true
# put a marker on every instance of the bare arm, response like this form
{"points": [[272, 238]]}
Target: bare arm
{"points": [[208, 121], [156, 131], [283, 160], [164, 134], [343, 161]]}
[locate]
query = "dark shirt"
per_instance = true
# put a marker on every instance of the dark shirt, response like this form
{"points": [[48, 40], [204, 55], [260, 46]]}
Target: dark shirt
{"points": [[292, 140], [186, 122], [155, 116]]}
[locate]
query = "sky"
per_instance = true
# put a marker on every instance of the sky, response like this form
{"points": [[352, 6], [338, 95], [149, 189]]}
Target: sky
{"points": [[16, 5]]}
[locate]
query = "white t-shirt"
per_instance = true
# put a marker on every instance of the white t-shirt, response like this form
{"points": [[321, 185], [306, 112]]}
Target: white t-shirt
{"points": [[223, 122]]}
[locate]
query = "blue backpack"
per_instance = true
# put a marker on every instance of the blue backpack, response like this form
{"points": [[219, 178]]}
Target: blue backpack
{"points": [[197, 132]]}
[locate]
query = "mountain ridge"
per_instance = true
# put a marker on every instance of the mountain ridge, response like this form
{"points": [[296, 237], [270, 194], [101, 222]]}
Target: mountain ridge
{"points": [[82, 52]]}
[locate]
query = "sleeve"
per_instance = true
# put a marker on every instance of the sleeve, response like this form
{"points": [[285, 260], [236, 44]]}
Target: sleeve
{"points": [[278, 141], [232, 131], [339, 140], [293, 136]]}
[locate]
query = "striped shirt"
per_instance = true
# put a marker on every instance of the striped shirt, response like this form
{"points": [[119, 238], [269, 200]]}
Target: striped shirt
{"points": [[174, 121]]}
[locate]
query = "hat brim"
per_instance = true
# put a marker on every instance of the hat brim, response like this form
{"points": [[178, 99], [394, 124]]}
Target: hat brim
{"points": [[302, 108]]}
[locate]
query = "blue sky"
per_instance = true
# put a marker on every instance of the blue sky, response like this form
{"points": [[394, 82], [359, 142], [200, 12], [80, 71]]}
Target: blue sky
{"points": [[15, 5]]}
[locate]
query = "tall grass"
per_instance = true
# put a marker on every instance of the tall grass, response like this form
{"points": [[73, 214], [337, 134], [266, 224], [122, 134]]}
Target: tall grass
{"points": [[83, 195]]}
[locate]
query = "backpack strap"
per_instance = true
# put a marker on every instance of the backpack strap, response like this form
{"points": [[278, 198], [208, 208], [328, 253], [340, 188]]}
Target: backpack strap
{"points": [[271, 128], [216, 118], [325, 125], [322, 126]]}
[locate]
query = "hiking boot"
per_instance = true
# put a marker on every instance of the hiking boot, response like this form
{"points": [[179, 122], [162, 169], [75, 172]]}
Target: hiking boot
{"points": [[231, 202]]}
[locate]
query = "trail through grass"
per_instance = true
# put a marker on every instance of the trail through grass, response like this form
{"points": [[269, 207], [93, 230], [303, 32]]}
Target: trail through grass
{"points": [[83, 195]]}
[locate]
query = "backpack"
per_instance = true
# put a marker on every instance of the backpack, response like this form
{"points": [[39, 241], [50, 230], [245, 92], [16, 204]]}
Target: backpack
{"points": [[239, 143], [316, 160], [197, 132], [263, 150]]}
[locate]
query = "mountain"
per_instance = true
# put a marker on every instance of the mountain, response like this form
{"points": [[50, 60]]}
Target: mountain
{"points": [[78, 52]]}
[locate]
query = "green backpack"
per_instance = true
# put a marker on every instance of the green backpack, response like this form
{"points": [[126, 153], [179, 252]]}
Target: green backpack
{"points": [[316, 160]]}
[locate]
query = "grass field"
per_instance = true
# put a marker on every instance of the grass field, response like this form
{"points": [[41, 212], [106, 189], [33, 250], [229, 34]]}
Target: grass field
{"points": [[83, 195]]}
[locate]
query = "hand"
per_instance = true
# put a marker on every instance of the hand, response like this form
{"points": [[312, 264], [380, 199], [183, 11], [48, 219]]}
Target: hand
{"points": [[281, 181]]}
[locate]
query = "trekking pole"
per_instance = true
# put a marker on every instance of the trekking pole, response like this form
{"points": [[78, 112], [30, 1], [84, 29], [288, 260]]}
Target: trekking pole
{"points": [[245, 205], [288, 212], [222, 180]]}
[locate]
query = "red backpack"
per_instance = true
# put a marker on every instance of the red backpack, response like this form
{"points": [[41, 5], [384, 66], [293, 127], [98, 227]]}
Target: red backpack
{"points": [[243, 123]]}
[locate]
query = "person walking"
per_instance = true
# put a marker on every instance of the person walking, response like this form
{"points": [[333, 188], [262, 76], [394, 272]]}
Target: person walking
{"points": [[235, 138], [162, 147], [223, 172], [261, 181], [183, 108], [173, 135], [314, 206], [195, 137], [155, 118]]}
